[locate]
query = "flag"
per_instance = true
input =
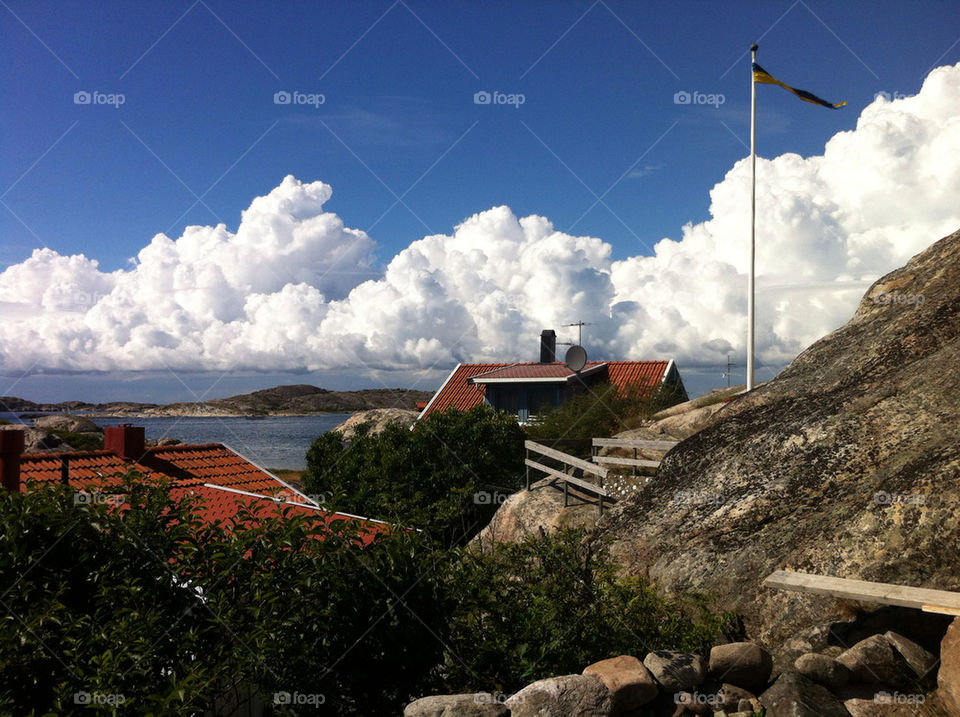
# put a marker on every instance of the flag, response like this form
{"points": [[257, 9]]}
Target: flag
{"points": [[763, 77]]}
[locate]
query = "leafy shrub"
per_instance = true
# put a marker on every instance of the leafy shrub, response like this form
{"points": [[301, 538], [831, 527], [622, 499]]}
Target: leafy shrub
{"points": [[442, 477], [81, 441], [553, 604], [602, 411]]}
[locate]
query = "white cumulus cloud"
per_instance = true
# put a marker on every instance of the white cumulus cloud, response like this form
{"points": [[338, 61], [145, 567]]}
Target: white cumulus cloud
{"points": [[291, 289]]}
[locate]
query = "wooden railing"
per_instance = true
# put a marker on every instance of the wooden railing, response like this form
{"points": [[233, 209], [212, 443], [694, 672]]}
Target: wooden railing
{"points": [[568, 462], [637, 445]]}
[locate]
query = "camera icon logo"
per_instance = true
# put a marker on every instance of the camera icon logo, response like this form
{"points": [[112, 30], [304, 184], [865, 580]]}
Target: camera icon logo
{"points": [[883, 95], [282, 698], [281, 98], [81, 98], [481, 98], [681, 98], [81, 698]]}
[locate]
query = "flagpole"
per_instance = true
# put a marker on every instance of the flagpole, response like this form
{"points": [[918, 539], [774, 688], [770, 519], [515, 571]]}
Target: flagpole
{"points": [[753, 217]]}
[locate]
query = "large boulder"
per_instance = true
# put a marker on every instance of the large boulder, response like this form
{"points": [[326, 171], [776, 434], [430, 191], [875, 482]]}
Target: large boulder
{"points": [[378, 418], [822, 669], [65, 422], [793, 695], [743, 664], [948, 678], [583, 695], [36, 440], [676, 671], [845, 464], [630, 683], [874, 661], [481, 704], [540, 509]]}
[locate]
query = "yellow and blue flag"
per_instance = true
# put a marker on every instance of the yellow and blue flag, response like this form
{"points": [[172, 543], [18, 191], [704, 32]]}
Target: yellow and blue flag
{"points": [[765, 78]]}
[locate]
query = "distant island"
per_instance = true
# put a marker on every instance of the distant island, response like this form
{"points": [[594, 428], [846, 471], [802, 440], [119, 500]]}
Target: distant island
{"points": [[297, 400]]}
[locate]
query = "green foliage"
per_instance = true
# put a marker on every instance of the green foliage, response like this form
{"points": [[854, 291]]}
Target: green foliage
{"points": [[174, 615], [179, 616], [602, 411], [81, 441], [443, 477], [553, 604]]}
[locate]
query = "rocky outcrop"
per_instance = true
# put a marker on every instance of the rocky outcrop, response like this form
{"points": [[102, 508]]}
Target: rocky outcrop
{"points": [[846, 464], [528, 512], [36, 440], [948, 678], [379, 418], [64, 422]]}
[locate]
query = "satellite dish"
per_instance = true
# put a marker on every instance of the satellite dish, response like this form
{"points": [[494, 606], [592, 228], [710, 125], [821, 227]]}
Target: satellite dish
{"points": [[576, 358]]}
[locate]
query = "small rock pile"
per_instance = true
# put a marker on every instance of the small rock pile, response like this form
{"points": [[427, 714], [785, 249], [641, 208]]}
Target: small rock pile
{"points": [[880, 675]]}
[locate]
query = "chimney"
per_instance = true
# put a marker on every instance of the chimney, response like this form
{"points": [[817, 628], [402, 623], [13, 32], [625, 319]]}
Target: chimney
{"points": [[11, 447], [548, 346], [125, 440]]}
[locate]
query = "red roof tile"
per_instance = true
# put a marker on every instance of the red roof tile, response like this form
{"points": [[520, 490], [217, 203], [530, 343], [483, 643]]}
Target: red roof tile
{"points": [[458, 392], [534, 371], [224, 480]]}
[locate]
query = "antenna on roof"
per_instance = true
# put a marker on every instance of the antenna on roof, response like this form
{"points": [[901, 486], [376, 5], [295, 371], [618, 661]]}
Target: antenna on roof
{"points": [[728, 373], [576, 358], [579, 325]]}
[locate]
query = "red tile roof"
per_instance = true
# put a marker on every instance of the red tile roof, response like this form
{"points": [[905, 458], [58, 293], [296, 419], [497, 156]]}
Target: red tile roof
{"points": [[458, 392], [224, 480], [534, 371]]}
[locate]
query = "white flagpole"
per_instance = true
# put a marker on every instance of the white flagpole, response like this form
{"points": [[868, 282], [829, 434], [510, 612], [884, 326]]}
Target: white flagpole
{"points": [[753, 217]]}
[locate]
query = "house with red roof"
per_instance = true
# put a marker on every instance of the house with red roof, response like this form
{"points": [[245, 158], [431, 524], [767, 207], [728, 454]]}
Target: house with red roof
{"points": [[225, 481], [524, 389]]}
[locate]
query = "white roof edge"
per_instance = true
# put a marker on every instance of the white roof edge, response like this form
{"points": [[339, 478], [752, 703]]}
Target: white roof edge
{"points": [[438, 392], [310, 504], [277, 479], [666, 372]]}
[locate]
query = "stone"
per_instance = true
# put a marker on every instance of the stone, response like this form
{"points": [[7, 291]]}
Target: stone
{"points": [[480, 704], [948, 677], [874, 661], [744, 664], [378, 418], [676, 671], [562, 696], [922, 663], [730, 696], [64, 422], [36, 440], [793, 695], [838, 466], [822, 669], [630, 683]]}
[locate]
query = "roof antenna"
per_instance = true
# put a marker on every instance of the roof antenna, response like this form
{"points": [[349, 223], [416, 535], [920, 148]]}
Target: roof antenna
{"points": [[579, 325]]}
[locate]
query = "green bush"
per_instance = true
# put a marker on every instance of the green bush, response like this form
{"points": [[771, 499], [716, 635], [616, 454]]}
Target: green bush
{"points": [[81, 441], [553, 604], [602, 411], [444, 477]]}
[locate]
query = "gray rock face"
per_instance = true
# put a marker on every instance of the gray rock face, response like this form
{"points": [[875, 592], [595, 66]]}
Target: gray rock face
{"points": [[793, 695], [481, 704], [630, 683], [582, 695], [676, 671], [36, 440], [822, 669], [63, 422], [845, 464], [744, 664]]}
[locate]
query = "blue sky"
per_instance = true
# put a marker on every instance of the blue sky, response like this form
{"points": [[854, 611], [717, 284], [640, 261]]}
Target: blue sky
{"points": [[599, 145]]}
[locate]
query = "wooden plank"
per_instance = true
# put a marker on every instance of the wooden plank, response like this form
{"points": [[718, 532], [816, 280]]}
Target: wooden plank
{"points": [[583, 465], [634, 443], [616, 460], [567, 479], [940, 601]]}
